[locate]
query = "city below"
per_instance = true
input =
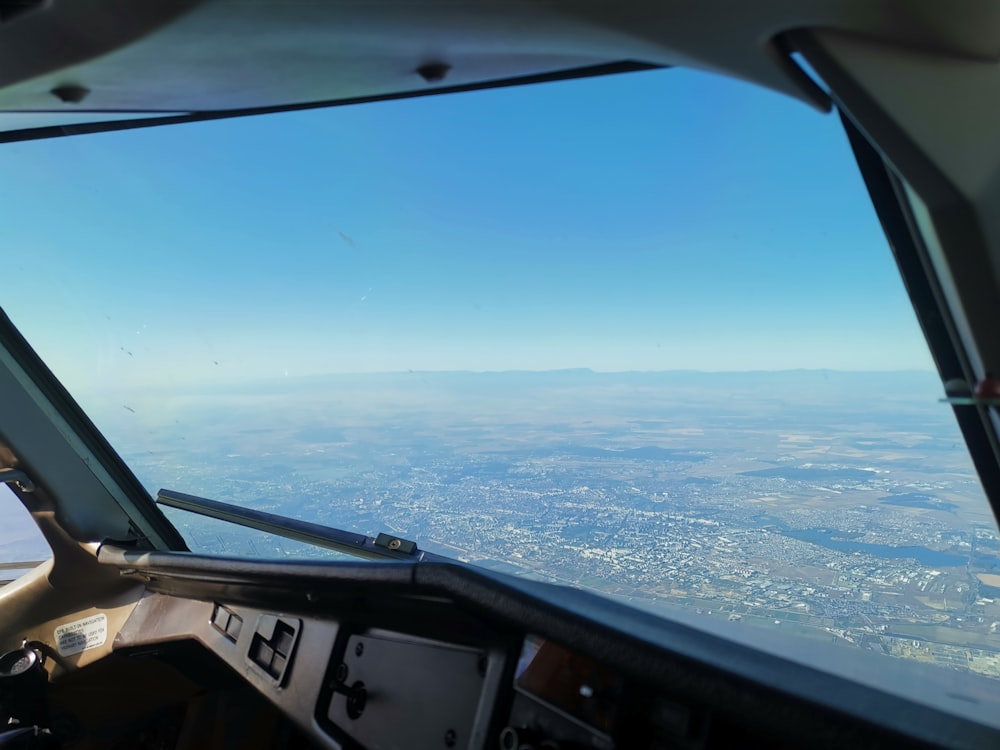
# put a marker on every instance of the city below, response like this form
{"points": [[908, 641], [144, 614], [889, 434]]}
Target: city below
{"points": [[839, 507]]}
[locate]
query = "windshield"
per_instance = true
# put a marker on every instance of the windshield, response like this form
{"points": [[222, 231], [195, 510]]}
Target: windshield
{"points": [[22, 546], [638, 334]]}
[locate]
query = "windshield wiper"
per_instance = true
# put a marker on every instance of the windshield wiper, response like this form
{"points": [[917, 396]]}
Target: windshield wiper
{"points": [[382, 547]]}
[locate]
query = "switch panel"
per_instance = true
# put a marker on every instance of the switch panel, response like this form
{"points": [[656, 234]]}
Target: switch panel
{"points": [[273, 645], [227, 622]]}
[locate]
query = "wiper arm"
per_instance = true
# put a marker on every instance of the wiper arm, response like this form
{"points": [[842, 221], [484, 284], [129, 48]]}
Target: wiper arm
{"points": [[382, 547]]}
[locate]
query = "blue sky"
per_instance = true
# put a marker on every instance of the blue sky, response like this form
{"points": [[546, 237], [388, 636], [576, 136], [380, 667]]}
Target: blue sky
{"points": [[651, 221]]}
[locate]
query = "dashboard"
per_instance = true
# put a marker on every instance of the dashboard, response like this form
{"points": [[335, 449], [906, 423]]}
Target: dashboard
{"points": [[437, 655], [361, 683]]}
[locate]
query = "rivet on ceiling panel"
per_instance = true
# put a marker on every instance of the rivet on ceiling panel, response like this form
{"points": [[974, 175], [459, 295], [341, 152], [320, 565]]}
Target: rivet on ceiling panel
{"points": [[433, 72], [70, 93]]}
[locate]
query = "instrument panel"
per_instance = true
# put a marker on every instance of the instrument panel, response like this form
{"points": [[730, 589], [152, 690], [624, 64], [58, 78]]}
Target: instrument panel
{"points": [[442, 656], [561, 693], [386, 689], [570, 682], [358, 684]]}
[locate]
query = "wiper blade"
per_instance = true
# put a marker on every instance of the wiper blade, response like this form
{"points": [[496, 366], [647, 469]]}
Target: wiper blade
{"points": [[382, 547]]}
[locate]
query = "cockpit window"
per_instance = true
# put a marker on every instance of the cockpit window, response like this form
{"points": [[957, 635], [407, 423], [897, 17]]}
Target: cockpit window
{"points": [[22, 546], [639, 334]]}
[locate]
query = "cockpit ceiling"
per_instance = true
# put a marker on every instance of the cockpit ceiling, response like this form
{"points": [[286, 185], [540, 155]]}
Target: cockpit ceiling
{"points": [[106, 59]]}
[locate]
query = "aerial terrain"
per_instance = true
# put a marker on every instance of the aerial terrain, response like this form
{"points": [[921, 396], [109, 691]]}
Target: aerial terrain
{"points": [[831, 506]]}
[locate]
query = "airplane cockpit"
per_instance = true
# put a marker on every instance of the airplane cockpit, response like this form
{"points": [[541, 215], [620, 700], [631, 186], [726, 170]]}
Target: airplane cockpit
{"points": [[143, 628]]}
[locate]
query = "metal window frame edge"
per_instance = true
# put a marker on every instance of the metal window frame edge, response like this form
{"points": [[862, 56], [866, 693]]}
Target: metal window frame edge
{"points": [[149, 527], [888, 190]]}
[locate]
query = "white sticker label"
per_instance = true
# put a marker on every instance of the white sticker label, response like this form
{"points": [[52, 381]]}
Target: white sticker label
{"points": [[80, 635]]}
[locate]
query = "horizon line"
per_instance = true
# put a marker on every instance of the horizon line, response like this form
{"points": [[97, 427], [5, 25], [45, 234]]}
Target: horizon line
{"points": [[593, 371]]}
